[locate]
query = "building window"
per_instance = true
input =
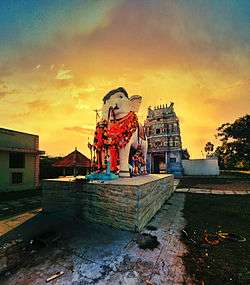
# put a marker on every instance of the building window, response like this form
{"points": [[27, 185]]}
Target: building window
{"points": [[172, 160], [176, 142], [158, 131], [175, 127], [16, 178], [16, 160]]}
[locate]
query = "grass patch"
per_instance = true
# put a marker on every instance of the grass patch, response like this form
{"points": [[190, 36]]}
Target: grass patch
{"points": [[228, 262]]}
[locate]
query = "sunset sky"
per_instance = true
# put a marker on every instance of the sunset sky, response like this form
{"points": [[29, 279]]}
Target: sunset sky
{"points": [[59, 58]]}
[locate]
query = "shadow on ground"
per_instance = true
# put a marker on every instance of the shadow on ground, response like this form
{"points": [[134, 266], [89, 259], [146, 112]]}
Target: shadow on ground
{"points": [[98, 254]]}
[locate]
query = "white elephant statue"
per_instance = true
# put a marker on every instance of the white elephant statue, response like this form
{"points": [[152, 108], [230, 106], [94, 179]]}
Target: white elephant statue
{"points": [[116, 106]]}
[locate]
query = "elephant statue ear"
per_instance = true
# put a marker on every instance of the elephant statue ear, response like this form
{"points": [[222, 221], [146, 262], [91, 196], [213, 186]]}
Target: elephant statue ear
{"points": [[135, 103]]}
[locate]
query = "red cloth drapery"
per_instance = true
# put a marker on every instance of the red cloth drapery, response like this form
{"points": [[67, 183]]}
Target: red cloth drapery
{"points": [[113, 136]]}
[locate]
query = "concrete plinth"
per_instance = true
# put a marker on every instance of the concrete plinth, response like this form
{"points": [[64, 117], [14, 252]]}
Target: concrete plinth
{"points": [[126, 203]]}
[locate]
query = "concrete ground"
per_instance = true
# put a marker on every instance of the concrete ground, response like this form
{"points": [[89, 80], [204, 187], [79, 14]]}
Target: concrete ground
{"points": [[221, 185], [212, 191], [228, 185], [10, 223], [98, 254], [18, 211], [14, 207]]}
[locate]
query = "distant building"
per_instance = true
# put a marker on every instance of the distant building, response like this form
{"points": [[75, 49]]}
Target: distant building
{"points": [[74, 163], [19, 160], [164, 140]]}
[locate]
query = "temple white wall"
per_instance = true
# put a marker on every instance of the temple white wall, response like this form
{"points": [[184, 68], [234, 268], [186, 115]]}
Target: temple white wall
{"points": [[198, 167]]}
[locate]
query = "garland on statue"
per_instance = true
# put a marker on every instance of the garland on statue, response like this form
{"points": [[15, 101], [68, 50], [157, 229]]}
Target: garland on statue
{"points": [[110, 137]]}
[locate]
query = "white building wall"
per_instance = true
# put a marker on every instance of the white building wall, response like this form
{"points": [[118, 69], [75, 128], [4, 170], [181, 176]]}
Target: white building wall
{"points": [[201, 166]]}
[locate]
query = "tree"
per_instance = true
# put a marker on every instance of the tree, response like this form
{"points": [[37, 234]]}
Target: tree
{"points": [[209, 148], [234, 151], [46, 168]]}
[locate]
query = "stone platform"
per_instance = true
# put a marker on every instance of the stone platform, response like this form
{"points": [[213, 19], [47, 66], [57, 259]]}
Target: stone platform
{"points": [[125, 203]]}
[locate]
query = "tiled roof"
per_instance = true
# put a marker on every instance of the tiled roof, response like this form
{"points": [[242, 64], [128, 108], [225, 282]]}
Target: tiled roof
{"points": [[74, 159]]}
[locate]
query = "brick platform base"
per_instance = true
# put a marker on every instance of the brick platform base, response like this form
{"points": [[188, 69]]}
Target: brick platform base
{"points": [[126, 203]]}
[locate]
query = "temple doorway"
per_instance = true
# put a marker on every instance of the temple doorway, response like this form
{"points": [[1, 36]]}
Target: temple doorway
{"points": [[159, 165]]}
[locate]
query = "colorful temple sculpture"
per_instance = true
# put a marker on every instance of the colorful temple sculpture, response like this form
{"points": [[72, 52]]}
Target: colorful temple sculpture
{"points": [[120, 146], [164, 140], [118, 151]]}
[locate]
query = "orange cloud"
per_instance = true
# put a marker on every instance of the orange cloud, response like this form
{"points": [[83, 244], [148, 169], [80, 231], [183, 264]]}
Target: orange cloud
{"points": [[164, 52], [81, 130]]}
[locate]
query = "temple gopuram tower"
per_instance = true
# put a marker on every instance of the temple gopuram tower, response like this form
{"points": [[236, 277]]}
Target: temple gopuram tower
{"points": [[164, 140]]}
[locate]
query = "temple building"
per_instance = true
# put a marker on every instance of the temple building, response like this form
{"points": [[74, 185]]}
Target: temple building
{"points": [[164, 140], [74, 163]]}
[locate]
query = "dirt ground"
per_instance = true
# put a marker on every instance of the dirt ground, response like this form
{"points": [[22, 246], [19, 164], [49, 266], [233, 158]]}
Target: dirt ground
{"points": [[213, 183]]}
